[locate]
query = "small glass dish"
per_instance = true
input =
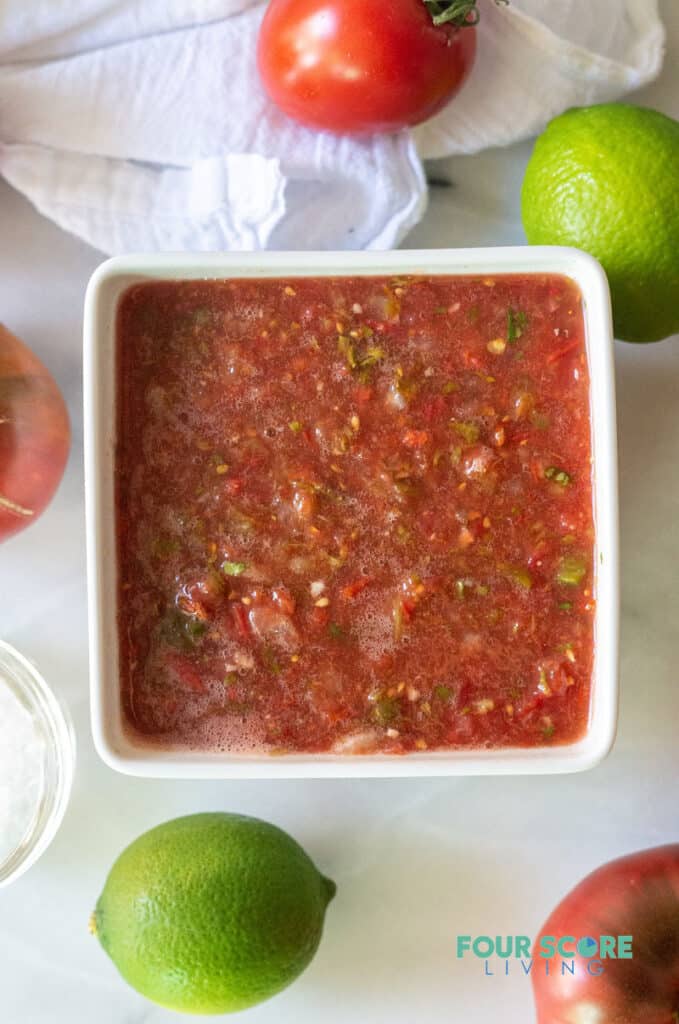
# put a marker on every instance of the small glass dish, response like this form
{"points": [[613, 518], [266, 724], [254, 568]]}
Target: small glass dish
{"points": [[38, 741]]}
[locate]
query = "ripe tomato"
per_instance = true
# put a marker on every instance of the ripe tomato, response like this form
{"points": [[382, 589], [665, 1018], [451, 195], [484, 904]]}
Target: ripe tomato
{"points": [[34, 435], [360, 66], [638, 896]]}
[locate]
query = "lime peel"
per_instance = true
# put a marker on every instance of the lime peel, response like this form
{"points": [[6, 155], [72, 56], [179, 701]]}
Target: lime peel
{"points": [[604, 179]]}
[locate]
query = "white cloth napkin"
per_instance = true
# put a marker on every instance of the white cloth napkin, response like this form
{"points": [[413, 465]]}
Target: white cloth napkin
{"points": [[141, 124]]}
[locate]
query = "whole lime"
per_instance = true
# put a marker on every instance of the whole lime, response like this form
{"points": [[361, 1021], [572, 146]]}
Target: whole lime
{"points": [[606, 179], [212, 913]]}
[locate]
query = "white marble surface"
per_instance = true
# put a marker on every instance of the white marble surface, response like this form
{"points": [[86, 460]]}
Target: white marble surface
{"points": [[416, 862]]}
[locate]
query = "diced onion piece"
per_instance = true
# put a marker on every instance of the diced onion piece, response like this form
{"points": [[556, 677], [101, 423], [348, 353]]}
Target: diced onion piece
{"points": [[357, 743], [497, 346], [477, 460], [272, 625], [395, 397], [483, 706]]}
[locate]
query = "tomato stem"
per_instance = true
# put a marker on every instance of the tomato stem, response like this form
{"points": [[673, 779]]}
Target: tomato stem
{"points": [[462, 13]]}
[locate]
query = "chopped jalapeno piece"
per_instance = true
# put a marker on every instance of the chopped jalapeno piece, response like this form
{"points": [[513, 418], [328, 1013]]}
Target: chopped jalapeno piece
{"points": [[234, 568], [559, 476], [571, 571], [517, 574]]}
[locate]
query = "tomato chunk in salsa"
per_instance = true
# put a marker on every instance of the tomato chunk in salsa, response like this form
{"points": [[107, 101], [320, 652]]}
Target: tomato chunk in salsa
{"points": [[354, 514]]}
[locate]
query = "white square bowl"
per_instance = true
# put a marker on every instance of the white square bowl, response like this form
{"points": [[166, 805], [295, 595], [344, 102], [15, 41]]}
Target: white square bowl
{"points": [[115, 745]]}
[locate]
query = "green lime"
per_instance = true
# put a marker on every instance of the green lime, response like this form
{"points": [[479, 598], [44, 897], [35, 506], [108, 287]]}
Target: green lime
{"points": [[212, 913], [606, 179]]}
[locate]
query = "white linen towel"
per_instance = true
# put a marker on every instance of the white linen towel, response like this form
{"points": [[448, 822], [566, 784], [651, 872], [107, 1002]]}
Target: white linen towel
{"points": [[141, 124]]}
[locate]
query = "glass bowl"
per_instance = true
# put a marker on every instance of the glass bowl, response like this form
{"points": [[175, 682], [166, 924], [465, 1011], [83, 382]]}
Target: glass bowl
{"points": [[35, 783]]}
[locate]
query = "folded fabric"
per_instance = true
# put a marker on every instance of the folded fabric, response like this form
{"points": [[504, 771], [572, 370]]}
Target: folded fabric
{"points": [[141, 124], [539, 57]]}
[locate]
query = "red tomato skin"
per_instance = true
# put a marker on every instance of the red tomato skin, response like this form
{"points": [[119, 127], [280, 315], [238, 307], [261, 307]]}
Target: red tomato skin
{"points": [[34, 435], [636, 895], [361, 66]]}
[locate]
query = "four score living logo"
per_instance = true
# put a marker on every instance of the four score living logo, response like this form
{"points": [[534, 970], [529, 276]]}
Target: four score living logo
{"points": [[552, 954]]}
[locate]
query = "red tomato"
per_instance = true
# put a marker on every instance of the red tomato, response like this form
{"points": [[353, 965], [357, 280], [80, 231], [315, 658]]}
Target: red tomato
{"points": [[363, 66], [34, 435], [638, 896]]}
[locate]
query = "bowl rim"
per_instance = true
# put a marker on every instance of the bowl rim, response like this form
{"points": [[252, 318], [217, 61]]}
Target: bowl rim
{"points": [[114, 745]]}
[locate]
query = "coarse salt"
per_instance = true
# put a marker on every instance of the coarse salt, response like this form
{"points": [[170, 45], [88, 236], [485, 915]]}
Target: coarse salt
{"points": [[22, 756]]}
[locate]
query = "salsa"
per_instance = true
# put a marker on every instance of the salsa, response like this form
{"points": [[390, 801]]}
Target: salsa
{"points": [[354, 514]]}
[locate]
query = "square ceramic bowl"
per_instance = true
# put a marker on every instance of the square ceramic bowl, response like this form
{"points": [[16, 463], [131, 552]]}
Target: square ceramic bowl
{"points": [[117, 747]]}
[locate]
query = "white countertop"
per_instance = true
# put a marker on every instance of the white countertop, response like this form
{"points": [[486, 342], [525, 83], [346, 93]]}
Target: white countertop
{"points": [[416, 862]]}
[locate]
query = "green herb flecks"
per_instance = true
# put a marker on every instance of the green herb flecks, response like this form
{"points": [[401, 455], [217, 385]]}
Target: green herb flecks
{"points": [[182, 631], [385, 710], [270, 660], [372, 356], [360, 362], [468, 431], [517, 321]]}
